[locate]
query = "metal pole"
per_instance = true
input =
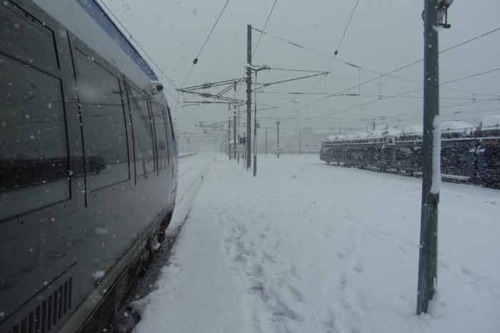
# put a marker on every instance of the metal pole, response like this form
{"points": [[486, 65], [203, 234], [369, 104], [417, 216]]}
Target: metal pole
{"points": [[249, 98], [234, 134], [229, 138], [278, 139], [238, 135], [266, 141], [427, 265], [300, 142], [255, 131]]}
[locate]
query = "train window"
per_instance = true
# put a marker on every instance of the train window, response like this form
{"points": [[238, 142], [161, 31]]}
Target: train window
{"points": [[105, 145], [96, 85], [26, 38], [104, 127], [33, 153], [143, 133], [170, 125], [161, 135]]}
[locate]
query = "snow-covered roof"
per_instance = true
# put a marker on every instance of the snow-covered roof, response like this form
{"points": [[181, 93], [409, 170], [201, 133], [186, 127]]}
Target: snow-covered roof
{"points": [[377, 134], [490, 122], [393, 132], [381, 133], [333, 137], [413, 129], [456, 126]]}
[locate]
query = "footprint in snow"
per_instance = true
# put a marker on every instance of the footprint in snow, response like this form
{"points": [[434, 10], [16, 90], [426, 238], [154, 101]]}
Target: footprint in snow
{"points": [[331, 323], [358, 267], [296, 295]]}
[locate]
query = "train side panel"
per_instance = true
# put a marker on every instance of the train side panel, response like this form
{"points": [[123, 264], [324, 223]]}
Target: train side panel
{"points": [[86, 172]]}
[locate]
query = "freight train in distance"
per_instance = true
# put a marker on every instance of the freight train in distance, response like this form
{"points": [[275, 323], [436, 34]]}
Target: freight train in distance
{"points": [[468, 154], [88, 166]]}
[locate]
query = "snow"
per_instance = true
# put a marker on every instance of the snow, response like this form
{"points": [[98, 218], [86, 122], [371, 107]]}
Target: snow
{"points": [[491, 122], [436, 156], [98, 274], [413, 129], [307, 247], [377, 134], [457, 126]]}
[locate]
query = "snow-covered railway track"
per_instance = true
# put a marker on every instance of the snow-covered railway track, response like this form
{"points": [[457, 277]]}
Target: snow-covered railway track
{"points": [[190, 181]]}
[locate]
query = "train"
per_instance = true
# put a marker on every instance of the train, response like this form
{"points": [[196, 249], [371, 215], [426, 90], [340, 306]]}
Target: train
{"points": [[468, 154], [88, 166]]}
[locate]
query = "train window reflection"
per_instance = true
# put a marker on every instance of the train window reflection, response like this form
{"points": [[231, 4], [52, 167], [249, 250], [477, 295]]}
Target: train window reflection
{"points": [[27, 39], [32, 139], [105, 135], [105, 145], [95, 84], [143, 133], [161, 136]]}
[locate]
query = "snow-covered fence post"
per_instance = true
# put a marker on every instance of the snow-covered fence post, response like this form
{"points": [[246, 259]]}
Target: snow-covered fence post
{"points": [[435, 16]]}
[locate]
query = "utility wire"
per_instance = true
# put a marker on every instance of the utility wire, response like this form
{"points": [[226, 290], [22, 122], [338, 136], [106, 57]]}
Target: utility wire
{"points": [[470, 40], [346, 27], [402, 94], [473, 75], [295, 70], [298, 93], [387, 74], [211, 31], [265, 26], [332, 59], [195, 60], [293, 79], [380, 74]]}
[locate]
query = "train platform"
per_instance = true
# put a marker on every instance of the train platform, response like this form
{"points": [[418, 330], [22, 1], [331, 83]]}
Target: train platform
{"points": [[310, 247]]}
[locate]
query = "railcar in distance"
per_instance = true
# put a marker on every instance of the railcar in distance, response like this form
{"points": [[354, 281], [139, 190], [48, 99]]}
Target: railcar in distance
{"points": [[88, 166], [467, 154]]}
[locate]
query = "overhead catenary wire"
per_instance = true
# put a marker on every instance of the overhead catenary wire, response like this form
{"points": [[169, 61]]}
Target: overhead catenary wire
{"points": [[380, 74], [265, 26], [295, 70], [211, 32], [403, 93], [402, 68], [346, 28], [473, 75], [292, 79], [298, 93], [205, 42], [376, 100]]}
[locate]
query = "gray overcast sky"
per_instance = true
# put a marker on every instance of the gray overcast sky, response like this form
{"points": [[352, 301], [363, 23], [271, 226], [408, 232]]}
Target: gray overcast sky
{"points": [[383, 35]]}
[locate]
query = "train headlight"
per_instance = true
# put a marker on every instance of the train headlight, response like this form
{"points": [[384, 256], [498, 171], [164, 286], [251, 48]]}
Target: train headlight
{"points": [[155, 88]]}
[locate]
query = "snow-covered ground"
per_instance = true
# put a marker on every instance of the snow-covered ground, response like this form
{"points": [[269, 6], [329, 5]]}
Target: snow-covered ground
{"points": [[307, 247]]}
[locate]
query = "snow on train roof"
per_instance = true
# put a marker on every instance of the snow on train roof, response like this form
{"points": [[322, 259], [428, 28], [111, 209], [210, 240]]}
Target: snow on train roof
{"points": [[455, 126], [89, 22], [365, 135], [490, 122], [413, 129]]}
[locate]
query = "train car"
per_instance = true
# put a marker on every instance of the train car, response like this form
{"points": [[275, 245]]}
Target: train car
{"points": [[486, 154], [466, 155], [367, 150], [457, 140], [88, 166]]}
